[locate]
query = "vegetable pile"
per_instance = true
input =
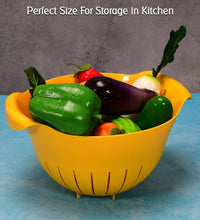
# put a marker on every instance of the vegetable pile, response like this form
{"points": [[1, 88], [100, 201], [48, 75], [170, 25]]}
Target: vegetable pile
{"points": [[96, 105]]}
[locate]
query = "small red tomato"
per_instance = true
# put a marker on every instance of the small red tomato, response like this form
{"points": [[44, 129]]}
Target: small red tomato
{"points": [[104, 129], [107, 128], [85, 72]]}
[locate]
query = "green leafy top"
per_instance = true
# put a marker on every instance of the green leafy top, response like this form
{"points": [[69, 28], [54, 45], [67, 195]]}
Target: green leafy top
{"points": [[116, 131], [34, 78], [80, 68], [170, 48]]}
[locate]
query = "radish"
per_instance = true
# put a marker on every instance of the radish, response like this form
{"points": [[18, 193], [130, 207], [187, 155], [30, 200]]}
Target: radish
{"points": [[150, 81]]}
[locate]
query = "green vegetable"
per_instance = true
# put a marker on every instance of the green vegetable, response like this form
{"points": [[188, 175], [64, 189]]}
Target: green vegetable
{"points": [[150, 81], [34, 78], [126, 124], [170, 48], [69, 108], [156, 111]]}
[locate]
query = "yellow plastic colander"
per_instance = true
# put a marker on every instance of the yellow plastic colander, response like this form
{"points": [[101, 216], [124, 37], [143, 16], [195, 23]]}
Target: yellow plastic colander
{"points": [[101, 165]]}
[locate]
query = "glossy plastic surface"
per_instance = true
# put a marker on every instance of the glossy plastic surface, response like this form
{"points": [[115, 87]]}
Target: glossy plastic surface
{"points": [[97, 166]]}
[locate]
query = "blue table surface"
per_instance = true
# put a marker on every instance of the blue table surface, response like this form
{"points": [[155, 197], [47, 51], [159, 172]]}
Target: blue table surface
{"points": [[171, 191]]}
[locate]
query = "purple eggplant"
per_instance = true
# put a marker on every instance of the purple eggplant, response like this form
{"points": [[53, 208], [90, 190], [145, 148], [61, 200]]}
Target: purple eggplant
{"points": [[119, 97]]}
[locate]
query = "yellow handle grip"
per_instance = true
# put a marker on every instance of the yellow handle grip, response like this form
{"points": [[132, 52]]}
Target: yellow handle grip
{"points": [[17, 111]]}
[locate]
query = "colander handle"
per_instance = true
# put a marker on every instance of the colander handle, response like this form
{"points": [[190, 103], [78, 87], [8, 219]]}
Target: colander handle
{"points": [[175, 87], [17, 113]]}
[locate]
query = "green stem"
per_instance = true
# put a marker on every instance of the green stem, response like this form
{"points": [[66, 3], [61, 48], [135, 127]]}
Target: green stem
{"points": [[164, 92], [74, 65], [115, 131], [97, 116], [155, 73], [80, 68]]}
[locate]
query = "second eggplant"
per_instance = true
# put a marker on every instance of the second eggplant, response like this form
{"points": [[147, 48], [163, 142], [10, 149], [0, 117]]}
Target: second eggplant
{"points": [[119, 97]]}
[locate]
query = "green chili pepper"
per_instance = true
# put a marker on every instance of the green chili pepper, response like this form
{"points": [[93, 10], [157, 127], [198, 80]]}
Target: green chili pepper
{"points": [[156, 111], [69, 108], [126, 124]]}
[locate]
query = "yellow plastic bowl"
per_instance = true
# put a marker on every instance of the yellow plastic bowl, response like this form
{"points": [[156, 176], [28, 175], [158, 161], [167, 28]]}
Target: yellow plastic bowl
{"points": [[97, 166]]}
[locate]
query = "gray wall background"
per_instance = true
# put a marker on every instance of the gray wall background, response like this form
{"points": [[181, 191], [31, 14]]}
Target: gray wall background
{"points": [[127, 44]]}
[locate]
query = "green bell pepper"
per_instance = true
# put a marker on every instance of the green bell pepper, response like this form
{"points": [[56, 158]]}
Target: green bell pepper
{"points": [[69, 108], [155, 112]]}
